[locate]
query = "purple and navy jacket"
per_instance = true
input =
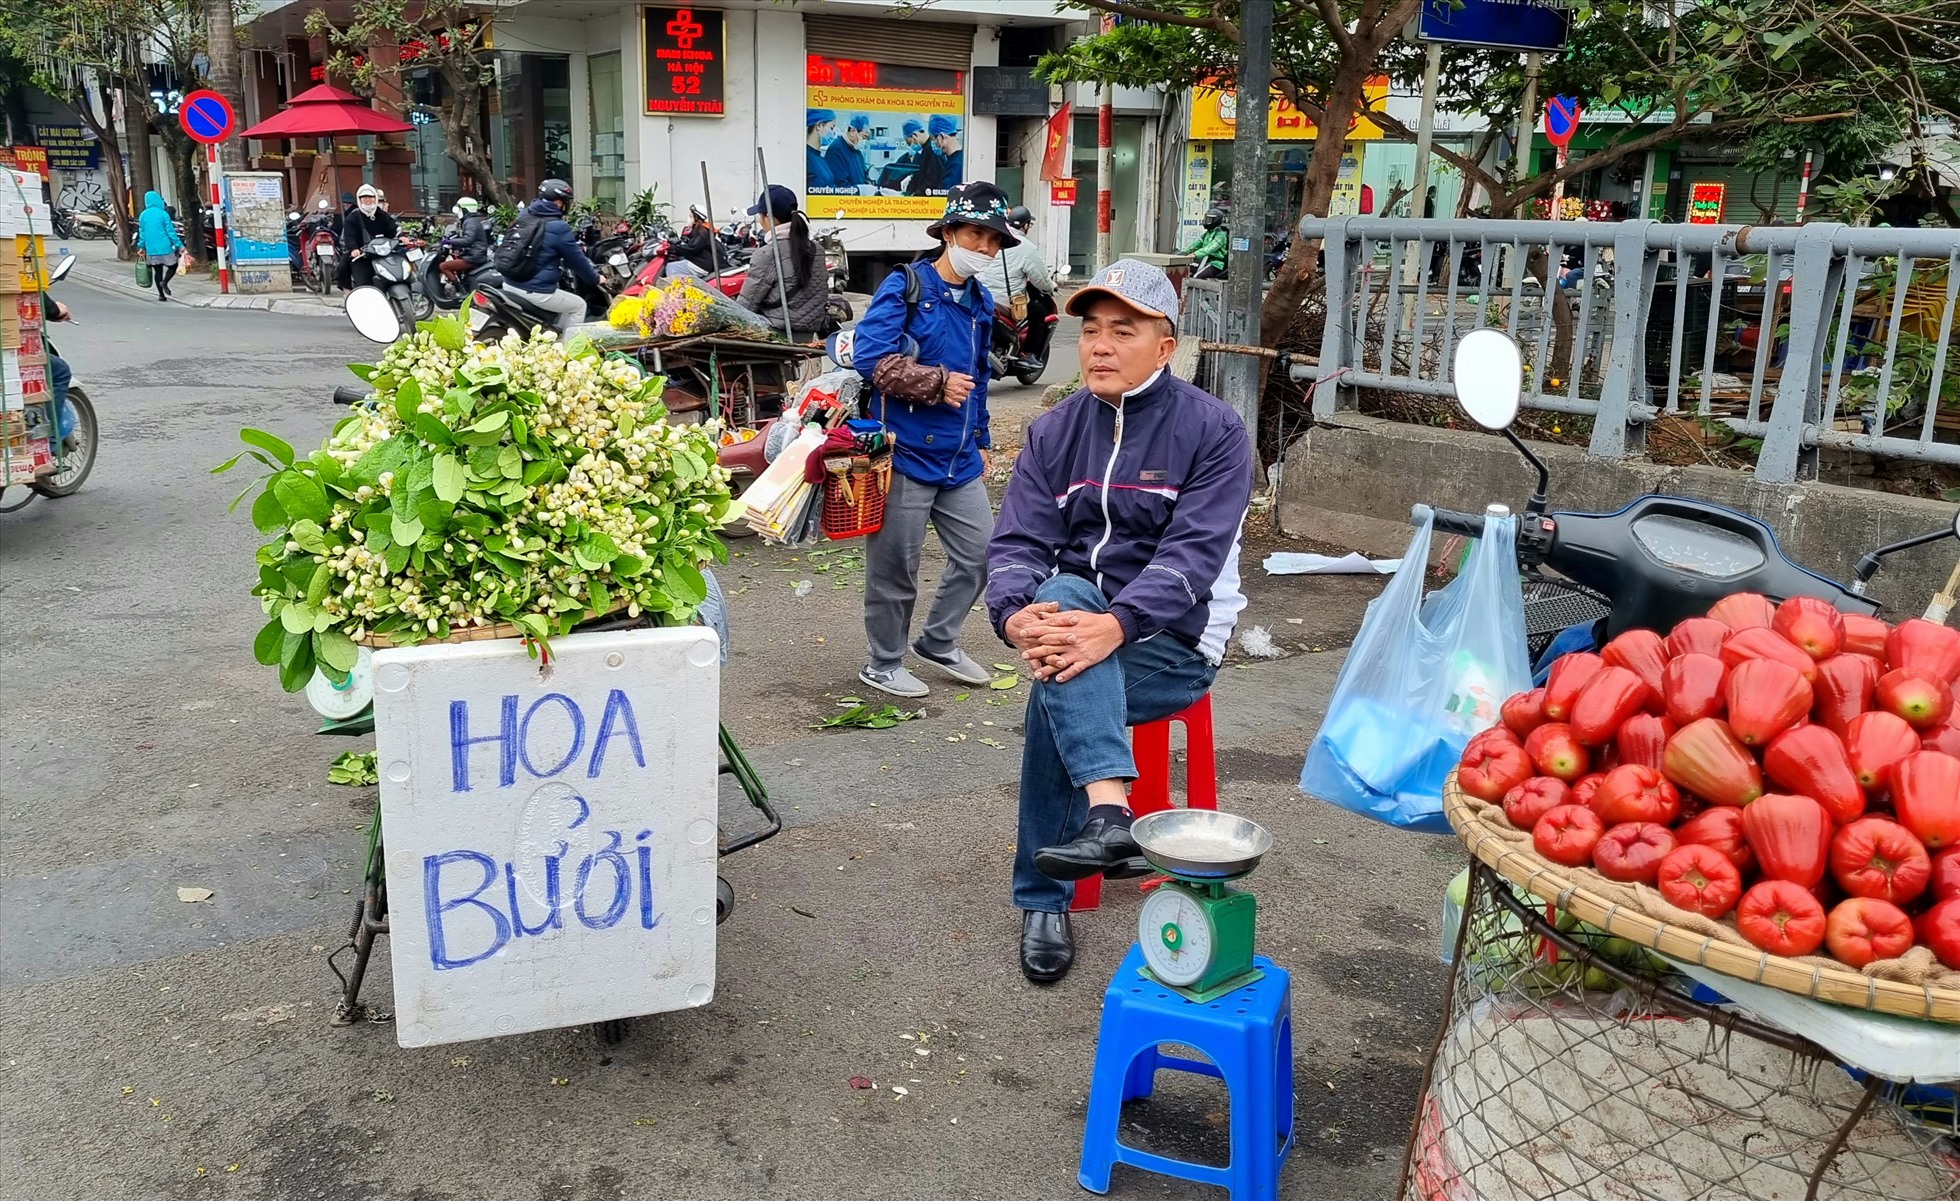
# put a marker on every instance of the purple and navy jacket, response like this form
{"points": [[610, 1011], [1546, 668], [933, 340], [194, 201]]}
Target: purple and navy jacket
{"points": [[1146, 500]]}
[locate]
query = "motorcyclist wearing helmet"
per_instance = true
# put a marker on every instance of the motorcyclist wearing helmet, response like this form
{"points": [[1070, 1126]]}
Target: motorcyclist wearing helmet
{"points": [[363, 223], [697, 247], [1030, 285], [468, 241], [1212, 247], [558, 253]]}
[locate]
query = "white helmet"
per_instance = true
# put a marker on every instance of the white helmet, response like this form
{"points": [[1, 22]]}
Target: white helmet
{"points": [[465, 205]]}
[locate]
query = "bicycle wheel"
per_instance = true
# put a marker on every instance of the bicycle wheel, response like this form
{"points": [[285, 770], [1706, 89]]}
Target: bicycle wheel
{"points": [[78, 460]]}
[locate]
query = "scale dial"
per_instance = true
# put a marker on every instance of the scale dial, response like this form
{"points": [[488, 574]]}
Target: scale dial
{"points": [[1175, 933], [336, 702]]}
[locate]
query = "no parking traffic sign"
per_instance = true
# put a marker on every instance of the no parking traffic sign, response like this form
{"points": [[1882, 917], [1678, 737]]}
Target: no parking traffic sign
{"points": [[206, 117], [1561, 120]]}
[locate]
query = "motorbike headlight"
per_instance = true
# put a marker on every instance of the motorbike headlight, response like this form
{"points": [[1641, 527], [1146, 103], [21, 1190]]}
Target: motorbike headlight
{"points": [[618, 260], [415, 256]]}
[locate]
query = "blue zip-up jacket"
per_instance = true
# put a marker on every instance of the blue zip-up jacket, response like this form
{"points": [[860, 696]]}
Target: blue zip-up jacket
{"points": [[560, 252], [1146, 500], [937, 443], [154, 229]]}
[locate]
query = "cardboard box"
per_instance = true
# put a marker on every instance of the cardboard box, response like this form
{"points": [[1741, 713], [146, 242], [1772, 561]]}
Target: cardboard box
{"points": [[21, 384], [20, 316], [23, 468], [24, 264]]}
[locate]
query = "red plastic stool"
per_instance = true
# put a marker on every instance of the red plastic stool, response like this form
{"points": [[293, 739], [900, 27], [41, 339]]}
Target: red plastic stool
{"points": [[1151, 791]]}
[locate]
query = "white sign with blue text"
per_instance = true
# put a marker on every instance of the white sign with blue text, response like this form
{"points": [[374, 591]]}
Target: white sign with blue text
{"points": [[550, 837]]}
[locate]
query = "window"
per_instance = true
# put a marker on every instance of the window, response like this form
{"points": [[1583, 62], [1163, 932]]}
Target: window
{"points": [[604, 79]]}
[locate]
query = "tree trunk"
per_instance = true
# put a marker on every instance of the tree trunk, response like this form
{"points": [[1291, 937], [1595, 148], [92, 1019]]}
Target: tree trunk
{"points": [[105, 133], [459, 116], [190, 200], [142, 161], [1296, 273], [222, 44]]}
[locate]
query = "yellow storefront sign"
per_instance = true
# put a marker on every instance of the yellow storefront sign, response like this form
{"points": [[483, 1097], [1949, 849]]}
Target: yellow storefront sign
{"points": [[1214, 115]]}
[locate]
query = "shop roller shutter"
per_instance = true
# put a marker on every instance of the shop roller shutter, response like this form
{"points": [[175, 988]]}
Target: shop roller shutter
{"points": [[906, 43]]}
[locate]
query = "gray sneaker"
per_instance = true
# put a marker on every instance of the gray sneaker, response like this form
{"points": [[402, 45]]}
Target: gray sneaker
{"points": [[897, 681], [961, 666]]}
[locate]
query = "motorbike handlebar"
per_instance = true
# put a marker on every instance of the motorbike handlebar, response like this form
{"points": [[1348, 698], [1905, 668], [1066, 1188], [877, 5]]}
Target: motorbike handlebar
{"points": [[1448, 521], [350, 394]]}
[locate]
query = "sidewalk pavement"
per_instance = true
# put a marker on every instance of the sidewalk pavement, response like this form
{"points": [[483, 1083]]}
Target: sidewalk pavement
{"points": [[97, 266]]}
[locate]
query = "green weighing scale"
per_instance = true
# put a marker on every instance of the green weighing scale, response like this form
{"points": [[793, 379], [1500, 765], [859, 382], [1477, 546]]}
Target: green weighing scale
{"points": [[1195, 930]]}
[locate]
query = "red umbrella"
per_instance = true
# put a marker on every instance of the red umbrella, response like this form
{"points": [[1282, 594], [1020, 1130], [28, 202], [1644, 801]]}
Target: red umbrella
{"points": [[325, 111]]}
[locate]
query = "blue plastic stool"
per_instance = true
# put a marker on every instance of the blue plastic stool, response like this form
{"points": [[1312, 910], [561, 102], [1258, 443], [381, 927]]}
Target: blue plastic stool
{"points": [[1248, 1035]]}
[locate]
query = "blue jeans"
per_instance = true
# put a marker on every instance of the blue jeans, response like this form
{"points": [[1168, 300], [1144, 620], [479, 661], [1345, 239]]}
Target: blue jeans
{"points": [[1078, 733], [59, 377]]}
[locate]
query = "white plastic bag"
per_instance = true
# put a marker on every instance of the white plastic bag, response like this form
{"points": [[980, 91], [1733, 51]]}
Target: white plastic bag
{"points": [[1420, 681]]}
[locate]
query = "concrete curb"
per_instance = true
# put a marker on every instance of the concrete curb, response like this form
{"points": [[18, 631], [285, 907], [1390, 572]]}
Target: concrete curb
{"points": [[292, 306]]}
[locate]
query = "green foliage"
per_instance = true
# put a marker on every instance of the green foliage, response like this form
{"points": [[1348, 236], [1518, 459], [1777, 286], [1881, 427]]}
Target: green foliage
{"points": [[526, 483], [647, 211]]}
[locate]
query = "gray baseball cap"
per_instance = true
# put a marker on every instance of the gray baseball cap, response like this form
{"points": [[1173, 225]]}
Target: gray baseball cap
{"points": [[1137, 284]]}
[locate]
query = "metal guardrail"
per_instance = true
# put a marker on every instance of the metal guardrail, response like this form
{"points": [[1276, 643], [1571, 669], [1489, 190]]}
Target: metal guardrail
{"points": [[1810, 336], [1202, 315]]}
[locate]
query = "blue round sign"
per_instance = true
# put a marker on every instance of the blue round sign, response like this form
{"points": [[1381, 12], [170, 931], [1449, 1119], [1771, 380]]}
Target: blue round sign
{"points": [[206, 116]]}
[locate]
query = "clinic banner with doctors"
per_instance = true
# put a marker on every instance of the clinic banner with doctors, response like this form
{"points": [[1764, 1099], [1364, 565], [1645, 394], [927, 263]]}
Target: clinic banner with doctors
{"points": [[882, 140]]}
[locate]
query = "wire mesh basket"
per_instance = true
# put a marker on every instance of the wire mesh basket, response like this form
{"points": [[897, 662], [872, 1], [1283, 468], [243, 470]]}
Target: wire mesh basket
{"points": [[1562, 1073]]}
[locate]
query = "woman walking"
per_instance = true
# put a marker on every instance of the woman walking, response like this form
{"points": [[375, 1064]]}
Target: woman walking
{"points": [[157, 235]]}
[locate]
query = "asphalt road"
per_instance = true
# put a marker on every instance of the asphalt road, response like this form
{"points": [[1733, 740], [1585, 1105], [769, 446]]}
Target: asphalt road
{"points": [[158, 1049]]}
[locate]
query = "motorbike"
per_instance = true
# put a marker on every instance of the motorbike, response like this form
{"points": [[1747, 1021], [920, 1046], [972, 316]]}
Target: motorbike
{"points": [[393, 262], [76, 455], [83, 226], [441, 291], [1020, 348], [1589, 577], [316, 251], [660, 251]]}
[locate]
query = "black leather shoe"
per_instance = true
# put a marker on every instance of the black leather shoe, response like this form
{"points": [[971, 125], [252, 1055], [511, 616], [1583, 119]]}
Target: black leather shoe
{"points": [[1104, 847], [1047, 946]]}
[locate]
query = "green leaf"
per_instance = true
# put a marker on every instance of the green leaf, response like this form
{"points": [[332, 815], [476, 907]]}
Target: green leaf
{"points": [[309, 537], [600, 597], [316, 588], [431, 429], [397, 557], [510, 463], [1004, 683], [378, 540], [408, 401], [265, 648], [301, 496], [629, 565], [485, 375], [298, 619], [686, 582], [405, 530], [365, 372], [271, 444], [228, 464], [336, 650], [293, 675], [451, 333], [491, 422], [599, 547], [449, 478]]}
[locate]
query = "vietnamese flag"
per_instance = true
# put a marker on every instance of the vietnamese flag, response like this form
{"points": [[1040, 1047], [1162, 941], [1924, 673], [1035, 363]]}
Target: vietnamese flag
{"points": [[1054, 155]]}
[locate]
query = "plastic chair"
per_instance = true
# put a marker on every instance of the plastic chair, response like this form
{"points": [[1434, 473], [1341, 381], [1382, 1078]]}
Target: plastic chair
{"points": [[1151, 744], [1248, 1036]]}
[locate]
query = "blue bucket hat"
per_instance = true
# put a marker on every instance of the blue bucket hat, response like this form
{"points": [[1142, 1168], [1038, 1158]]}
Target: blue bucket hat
{"points": [[778, 200], [817, 116], [860, 121], [913, 125], [941, 125]]}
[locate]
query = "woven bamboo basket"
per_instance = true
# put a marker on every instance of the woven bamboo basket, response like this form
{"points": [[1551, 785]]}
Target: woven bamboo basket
{"points": [[489, 633], [1567, 888]]}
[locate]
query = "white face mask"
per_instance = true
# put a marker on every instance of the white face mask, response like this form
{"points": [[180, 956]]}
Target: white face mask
{"points": [[368, 207], [968, 263]]}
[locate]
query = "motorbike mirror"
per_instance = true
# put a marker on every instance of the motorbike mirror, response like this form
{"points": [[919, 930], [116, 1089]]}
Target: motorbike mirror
{"points": [[1489, 378], [61, 268], [372, 316], [840, 214]]}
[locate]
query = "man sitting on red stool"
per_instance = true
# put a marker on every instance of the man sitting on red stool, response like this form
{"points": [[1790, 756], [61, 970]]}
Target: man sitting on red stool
{"points": [[1114, 570]]}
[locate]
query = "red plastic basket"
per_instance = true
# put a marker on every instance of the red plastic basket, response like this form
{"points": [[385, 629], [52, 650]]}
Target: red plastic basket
{"points": [[854, 490]]}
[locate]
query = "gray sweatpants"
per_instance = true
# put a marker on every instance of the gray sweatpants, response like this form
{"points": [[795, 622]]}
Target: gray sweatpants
{"points": [[964, 518]]}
